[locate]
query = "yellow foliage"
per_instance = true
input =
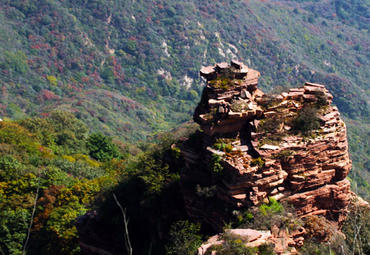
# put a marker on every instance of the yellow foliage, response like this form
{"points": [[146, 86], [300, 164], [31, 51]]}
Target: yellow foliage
{"points": [[69, 158], [86, 159], [83, 191], [3, 187], [12, 133], [80, 156], [93, 163], [52, 80], [22, 185]]}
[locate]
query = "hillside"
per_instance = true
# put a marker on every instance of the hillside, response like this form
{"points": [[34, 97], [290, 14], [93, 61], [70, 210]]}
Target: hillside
{"points": [[130, 68], [254, 186]]}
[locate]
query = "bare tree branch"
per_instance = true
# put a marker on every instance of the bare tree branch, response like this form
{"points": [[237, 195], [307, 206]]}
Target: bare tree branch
{"points": [[32, 217], [125, 221]]}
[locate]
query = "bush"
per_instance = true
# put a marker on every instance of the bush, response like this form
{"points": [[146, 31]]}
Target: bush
{"points": [[15, 61], [206, 192], [215, 164], [222, 146], [79, 168], [258, 162], [306, 121], [184, 238], [13, 230], [319, 228], [273, 207], [322, 99], [232, 247], [268, 215], [221, 83]]}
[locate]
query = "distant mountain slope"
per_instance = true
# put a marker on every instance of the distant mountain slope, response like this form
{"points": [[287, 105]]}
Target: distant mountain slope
{"points": [[130, 68]]}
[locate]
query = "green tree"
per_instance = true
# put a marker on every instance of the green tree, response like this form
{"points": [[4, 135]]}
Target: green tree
{"points": [[101, 147], [15, 61], [13, 230]]}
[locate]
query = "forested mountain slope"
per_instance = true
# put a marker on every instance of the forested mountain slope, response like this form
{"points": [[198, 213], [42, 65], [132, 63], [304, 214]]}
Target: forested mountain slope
{"points": [[130, 68]]}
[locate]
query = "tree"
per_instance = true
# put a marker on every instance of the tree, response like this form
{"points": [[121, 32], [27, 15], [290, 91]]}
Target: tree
{"points": [[13, 230], [101, 147], [357, 229]]}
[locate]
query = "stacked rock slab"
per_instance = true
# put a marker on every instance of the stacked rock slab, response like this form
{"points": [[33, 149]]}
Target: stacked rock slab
{"points": [[267, 156], [225, 84]]}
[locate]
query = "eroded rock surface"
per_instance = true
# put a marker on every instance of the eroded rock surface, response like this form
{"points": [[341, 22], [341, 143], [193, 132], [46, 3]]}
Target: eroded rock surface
{"points": [[291, 146]]}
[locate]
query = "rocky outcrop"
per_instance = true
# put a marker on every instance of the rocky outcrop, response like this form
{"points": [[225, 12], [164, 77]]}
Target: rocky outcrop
{"points": [[282, 241], [253, 146], [250, 237]]}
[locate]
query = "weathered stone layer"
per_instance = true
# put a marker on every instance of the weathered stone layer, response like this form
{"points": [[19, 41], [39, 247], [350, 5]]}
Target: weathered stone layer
{"points": [[268, 159]]}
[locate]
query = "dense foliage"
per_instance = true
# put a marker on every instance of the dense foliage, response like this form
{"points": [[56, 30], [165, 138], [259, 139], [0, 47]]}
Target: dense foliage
{"points": [[49, 187], [129, 68], [126, 69], [47, 180], [136, 69], [149, 190], [184, 238]]}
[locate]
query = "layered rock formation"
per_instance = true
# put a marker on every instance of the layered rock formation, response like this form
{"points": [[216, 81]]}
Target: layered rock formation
{"points": [[281, 239], [291, 146]]}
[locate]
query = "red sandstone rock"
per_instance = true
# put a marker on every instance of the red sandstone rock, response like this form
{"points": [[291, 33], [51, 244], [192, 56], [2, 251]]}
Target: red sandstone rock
{"points": [[308, 172]]}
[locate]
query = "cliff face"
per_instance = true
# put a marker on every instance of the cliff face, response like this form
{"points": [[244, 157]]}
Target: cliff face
{"points": [[291, 146]]}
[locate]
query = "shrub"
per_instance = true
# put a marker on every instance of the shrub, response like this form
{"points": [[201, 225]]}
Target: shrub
{"points": [[268, 215], [311, 247], [215, 164], [221, 146], [258, 162], [232, 246], [184, 238], [273, 207], [306, 120], [13, 230], [322, 99], [12, 133], [15, 61], [242, 218], [79, 169], [221, 83], [52, 80], [319, 228], [206, 192]]}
